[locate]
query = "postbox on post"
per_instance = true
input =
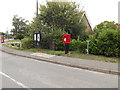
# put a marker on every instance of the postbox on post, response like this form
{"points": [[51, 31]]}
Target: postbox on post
{"points": [[66, 38], [66, 41]]}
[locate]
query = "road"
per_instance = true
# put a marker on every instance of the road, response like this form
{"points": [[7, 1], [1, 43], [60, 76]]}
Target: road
{"points": [[21, 72]]}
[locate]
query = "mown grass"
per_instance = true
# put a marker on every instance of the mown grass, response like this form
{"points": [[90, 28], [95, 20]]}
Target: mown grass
{"points": [[13, 47], [16, 40], [73, 54], [93, 57], [59, 53]]}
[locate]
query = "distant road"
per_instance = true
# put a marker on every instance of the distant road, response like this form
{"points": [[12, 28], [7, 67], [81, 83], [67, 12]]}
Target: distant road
{"points": [[21, 72], [8, 39]]}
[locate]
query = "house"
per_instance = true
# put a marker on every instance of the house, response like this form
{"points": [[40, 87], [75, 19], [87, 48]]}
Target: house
{"points": [[87, 22], [117, 27], [1, 38]]}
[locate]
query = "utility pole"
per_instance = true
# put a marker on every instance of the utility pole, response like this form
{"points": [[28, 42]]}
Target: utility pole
{"points": [[37, 34], [119, 12], [36, 8]]}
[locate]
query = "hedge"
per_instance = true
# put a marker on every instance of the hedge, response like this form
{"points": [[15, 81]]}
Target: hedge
{"points": [[28, 43], [77, 45], [106, 43]]}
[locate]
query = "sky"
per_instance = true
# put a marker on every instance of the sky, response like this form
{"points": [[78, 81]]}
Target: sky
{"points": [[96, 10]]}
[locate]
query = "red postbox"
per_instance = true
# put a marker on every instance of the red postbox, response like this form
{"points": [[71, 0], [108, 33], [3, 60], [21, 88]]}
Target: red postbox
{"points": [[66, 38]]}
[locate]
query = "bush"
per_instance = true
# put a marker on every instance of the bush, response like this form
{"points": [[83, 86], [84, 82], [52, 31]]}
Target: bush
{"points": [[45, 42], [55, 36], [77, 45], [28, 43], [19, 36], [74, 45], [106, 43]]}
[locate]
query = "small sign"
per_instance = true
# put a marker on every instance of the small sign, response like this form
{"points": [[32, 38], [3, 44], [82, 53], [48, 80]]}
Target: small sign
{"points": [[37, 37]]}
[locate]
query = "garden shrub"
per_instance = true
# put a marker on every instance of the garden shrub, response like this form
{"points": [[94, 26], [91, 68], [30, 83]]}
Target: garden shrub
{"points": [[106, 43], [55, 36], [77, 45], [45, 42], [19, 36], [28, 43]]}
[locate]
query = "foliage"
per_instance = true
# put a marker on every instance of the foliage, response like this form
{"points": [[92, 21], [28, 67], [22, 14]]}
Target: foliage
{"points": [[55, 36], [20, 26], [56, 19], [45, 42], [19, 36], [27, 43], [104, 26], [77, 45], [1, 33], [83, 36], [105, 43], [63, 15]]}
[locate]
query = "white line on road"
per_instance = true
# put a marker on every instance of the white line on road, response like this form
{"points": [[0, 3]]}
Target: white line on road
{"points": [[20, 84]]}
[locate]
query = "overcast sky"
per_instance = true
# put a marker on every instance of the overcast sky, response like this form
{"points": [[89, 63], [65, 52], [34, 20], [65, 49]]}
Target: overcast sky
{"points": [[97, 11]]}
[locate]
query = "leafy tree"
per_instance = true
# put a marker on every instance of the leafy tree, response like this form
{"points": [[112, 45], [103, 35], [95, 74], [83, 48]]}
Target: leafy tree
{"points": [[105, 39], [106, 43], [105, 25], [63, 15], [20, 26], [1, 33]]}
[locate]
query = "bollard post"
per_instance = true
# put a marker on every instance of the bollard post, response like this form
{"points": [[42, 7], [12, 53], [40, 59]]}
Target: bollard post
{"points": [[87, 46], [66, 48]]}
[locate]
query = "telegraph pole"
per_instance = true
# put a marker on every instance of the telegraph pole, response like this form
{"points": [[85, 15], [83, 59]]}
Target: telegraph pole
{"points": [[37, 20], [36, 8], [37, 34]]}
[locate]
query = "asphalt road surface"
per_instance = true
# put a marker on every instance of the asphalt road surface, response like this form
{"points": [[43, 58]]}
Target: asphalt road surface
{"points": [[21, 72]]}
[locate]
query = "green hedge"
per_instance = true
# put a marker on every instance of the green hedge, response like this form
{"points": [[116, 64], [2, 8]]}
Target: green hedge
{"points": [[77, 45], [28, 43], [106, 43]]}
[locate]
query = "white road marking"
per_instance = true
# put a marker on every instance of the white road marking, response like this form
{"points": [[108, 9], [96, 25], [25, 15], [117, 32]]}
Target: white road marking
{"points": [[43, 55], [20, 84]]}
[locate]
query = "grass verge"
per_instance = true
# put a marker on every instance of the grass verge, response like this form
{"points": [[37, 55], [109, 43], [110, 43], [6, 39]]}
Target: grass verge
{"points": [[73, 54], [16, 40]]}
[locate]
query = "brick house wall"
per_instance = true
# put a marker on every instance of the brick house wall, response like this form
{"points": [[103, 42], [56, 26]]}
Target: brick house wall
{"points": [[1, 38]]}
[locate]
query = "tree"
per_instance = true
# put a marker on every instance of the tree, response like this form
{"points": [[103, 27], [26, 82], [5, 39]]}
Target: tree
{"points": [[1, 33], [60, 15], [105, 39], [20, 26], [105, 25]]}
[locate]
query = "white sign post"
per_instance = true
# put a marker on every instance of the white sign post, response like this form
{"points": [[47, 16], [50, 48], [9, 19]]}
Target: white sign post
{"points": [[87, 46]]}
